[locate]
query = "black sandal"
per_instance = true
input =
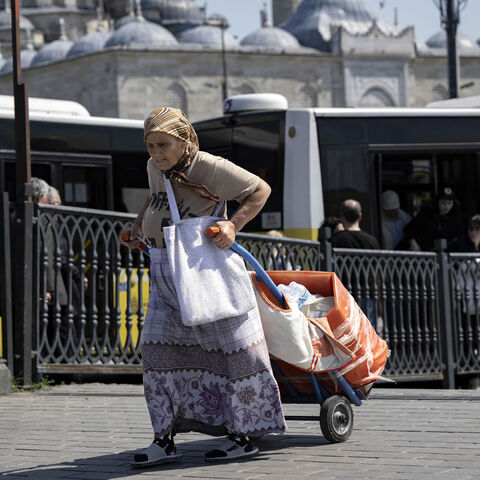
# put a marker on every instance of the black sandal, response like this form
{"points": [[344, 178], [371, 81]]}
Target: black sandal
{"points": [[233, 447]]}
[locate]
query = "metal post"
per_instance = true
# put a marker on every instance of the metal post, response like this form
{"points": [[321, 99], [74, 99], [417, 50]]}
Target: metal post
{"points": [[326, 257], [24, 214], [445, 313], [453, 66], [223, 26], [6, 279]]}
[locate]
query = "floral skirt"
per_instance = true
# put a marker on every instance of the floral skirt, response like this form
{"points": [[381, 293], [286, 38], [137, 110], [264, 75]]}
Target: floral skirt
{"points": [[214, 378]]}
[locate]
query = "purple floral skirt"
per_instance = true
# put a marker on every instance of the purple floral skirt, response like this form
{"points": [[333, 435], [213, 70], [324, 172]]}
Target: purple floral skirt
{"points": [[214, 378]]}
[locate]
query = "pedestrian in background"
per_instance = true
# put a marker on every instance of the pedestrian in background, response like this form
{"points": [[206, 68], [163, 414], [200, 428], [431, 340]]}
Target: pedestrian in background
{"points": [[471, 241], [353, 236], [442, 219], [333, 223], [394, 220]]}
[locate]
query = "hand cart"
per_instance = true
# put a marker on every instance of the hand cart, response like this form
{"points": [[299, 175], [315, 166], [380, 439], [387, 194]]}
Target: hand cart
{"points": [[331, 390]]}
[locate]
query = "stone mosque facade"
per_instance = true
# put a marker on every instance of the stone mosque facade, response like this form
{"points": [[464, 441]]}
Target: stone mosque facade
{"points": [[122, 58]]}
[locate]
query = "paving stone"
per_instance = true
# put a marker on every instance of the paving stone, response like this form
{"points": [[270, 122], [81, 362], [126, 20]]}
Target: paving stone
{"points": [[90, 431]]}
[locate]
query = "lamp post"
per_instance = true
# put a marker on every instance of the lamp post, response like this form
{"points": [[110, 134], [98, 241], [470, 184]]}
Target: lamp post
{"points": [[450, 15], [22, 363], [224, 25]]}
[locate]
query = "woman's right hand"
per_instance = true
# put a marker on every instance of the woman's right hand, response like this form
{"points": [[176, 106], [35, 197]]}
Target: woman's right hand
{"points": [[132, 232]]}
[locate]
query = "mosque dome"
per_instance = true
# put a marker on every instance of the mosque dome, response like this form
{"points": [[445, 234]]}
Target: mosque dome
{"points": [[143, 32], [173, 12], [208, 35], [26, 57], [6, 20], [271, 37], [311, 23], [131, 17], [52, 52], [465, 44], [91, 42]]}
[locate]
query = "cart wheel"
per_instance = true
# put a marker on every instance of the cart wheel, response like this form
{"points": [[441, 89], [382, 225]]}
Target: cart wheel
{"points": [[336, 419]]}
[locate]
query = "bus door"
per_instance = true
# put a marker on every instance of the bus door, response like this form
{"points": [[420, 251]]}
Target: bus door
{"points": [[417, 174]]}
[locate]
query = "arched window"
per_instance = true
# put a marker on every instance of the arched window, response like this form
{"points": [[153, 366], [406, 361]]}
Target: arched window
{"points": [[307, 97], [176, 97], [439, 93], [242, 89], [376, 97]]}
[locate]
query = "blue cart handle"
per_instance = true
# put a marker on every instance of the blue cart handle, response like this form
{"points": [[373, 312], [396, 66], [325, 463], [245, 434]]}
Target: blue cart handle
{"points": [[260, 273]]}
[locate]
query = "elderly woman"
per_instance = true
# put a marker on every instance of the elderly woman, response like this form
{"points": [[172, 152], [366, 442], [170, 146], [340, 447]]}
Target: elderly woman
{"points": [[214, 378]]}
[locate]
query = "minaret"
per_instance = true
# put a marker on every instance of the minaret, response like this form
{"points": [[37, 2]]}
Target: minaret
{"points": [[283, 10]]}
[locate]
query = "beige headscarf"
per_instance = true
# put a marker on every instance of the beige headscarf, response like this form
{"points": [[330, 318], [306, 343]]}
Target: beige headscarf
{"points": [[174, 122]]}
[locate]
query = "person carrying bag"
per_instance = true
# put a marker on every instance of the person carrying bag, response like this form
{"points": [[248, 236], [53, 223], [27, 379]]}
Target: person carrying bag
{"points": [[207, 372], [211, 283]]}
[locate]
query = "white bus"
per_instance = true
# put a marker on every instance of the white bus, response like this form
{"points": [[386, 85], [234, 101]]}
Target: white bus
{"points": [[315, 158]]}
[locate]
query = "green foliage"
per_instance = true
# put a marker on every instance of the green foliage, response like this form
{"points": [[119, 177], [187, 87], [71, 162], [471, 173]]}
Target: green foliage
{"points": [[44, 384]]}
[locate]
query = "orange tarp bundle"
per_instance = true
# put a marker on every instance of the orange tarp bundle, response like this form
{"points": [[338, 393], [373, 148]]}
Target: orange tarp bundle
{"points": [[345, 326]]}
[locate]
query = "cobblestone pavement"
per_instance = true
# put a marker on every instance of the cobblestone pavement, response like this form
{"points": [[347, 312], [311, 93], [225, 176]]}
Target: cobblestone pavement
{"points": [[90, 431]]}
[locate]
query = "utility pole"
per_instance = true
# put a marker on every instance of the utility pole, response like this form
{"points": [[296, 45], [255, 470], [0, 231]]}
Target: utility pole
{"points": [[450, 15], [224, 26], [23, 320]]}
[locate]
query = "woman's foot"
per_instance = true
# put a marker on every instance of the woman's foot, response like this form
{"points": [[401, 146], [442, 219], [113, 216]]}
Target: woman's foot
{"points": [[162, 450], [233, 447]]}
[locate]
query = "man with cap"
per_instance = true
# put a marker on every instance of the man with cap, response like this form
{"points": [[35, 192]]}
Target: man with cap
{"points": [[394, 220], [443, 219]]}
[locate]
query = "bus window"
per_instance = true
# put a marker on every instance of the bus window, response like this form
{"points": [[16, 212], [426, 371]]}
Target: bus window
{"points": [[257, 147], [216, 140], [42, 171], [130, 181], [134, 198], [412, 176], [85, 187], [346, 174]]}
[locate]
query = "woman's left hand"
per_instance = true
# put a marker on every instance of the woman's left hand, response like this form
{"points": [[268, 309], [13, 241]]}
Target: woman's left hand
{"points": [[226, 236]]}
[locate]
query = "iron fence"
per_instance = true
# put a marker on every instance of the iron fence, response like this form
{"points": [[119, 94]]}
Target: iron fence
{"points": [[91, 291], [93, 295], [398, 292], [465, 287]]}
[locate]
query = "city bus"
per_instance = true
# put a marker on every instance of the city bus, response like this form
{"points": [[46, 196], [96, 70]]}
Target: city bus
{"points": [[314, 158], [94, 162]]}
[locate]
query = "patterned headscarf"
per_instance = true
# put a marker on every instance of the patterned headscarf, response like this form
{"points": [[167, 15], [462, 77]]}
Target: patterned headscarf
{"points": [[174, 122]]}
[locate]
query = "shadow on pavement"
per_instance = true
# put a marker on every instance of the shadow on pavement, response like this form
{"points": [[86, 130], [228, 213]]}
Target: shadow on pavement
{"points": [[116, 466]]}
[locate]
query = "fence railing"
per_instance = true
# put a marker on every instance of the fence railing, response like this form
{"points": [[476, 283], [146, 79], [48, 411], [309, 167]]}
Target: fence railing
{"points": [[398, 292], [465, 288], [91, 291], [93, 295]]}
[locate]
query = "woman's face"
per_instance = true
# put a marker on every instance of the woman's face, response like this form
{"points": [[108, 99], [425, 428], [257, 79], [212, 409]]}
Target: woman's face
{"points": [[474, 233], [165, 150], [444, 206]]}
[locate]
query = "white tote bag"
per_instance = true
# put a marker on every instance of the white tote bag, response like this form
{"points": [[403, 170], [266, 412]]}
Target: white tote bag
{"points": [[211, 283]]}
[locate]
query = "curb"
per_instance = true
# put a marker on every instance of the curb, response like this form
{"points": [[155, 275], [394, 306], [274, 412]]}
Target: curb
{"points": [[5, 378]]}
